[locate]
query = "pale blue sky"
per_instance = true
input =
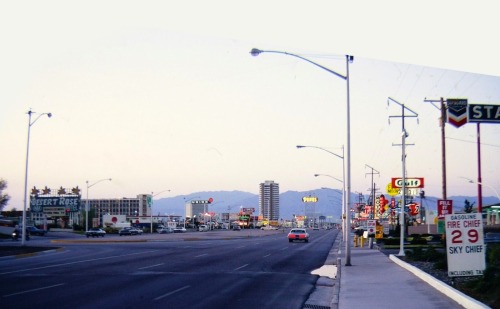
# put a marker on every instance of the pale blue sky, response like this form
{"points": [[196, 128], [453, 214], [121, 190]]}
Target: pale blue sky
{"points": [[165, 95]]}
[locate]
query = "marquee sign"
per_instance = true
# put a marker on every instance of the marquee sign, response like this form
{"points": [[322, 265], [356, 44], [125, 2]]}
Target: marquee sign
{"points": [[309, 199], [47, 202]]}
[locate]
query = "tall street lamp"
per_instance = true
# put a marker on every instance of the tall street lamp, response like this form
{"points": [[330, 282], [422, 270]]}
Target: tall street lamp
{"points": [[87, 202], [150, 204], [345, 217], [482, 184], [349, 59], [30, 123]]}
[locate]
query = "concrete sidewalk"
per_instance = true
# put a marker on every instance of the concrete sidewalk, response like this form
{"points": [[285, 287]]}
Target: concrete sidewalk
{"points": [[377, 281]]}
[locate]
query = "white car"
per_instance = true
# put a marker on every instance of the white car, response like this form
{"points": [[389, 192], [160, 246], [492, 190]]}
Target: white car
{"points": [[203, 228], [164, 230], [180, 230]]}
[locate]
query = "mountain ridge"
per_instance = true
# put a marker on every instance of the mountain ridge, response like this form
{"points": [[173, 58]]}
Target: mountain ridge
{"points": [[329, 202]]}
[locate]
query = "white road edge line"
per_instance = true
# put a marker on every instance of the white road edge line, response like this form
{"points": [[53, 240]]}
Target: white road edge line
{"points": [[173, 292], [151, 266], [267, 255], [75, 262], [34, 290], [201, 255], [241, 267]]}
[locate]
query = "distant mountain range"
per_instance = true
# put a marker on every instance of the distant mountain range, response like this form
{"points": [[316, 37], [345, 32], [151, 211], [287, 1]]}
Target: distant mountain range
{"points": [[329, 202]]}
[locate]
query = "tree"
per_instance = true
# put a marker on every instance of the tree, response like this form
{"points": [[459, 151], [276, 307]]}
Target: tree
{"points": [[468, 206], [4, 198]]}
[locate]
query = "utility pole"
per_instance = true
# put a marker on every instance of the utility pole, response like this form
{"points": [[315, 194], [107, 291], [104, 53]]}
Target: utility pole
{"points": [[374, 171], [372, 216], [442, 122], [404, 135]]}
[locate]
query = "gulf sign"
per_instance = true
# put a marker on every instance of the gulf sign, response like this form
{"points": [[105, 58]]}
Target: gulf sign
{"points": [[410, 182]]}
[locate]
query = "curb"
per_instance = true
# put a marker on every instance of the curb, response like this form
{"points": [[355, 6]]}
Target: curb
{"points": [[459, 297], [26, 255]]}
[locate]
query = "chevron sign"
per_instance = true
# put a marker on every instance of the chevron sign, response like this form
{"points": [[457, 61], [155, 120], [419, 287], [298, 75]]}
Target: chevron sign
{"points": [[457, 112]]}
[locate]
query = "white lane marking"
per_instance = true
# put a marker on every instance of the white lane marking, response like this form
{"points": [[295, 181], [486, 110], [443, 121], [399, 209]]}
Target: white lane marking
{"points": [[173, 292], [76, 262], [283, 249], [267, 255], [240, 247], [201, 255], [151, 266], [34, 290], [241, 267]]}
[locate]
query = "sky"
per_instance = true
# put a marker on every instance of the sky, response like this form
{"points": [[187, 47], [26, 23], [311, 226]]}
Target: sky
{"points": [[164, 95]]}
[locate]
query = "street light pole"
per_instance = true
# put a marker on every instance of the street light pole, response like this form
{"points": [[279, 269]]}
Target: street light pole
{"points": [[345, 223], [87, 204], [23, 233], [346, 214], [344, 208], [349, 59], [151, 206]]}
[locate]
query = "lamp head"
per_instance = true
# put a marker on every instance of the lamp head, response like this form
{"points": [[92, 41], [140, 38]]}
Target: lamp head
{"points": [[255, 52], [316, 175], [49, 115], [300, 146]]}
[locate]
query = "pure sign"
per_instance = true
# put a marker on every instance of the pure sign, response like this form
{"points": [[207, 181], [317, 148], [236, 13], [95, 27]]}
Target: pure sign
{"points": [[465, 245]]}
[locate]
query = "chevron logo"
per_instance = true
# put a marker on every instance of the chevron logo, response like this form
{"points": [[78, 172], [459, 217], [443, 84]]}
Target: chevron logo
{"points": [[457, 112]]}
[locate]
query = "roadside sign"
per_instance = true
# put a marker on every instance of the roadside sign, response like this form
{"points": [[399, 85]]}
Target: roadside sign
{"points": [[379, 232], [410, 182], [371, 226], [465, 248], [444, 207], [309, 199], [391, 190], [484, 113]]}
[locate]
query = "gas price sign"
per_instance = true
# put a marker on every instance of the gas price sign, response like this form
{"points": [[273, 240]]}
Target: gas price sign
{"points": [[465, 245]]}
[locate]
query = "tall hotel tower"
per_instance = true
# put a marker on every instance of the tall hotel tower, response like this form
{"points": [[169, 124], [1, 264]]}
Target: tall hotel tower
{"points": [[269, 200]]}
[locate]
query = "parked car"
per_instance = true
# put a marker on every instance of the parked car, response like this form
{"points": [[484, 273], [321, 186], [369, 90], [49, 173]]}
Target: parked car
{"points": [[95, 232], [32, 230], [269, 228], [203, 228], [127, 231], [137, 230], [298, 234], [236, 228], [180, 230], [164, 230]]}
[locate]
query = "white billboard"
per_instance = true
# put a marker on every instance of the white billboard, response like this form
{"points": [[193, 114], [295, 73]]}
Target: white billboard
{"points": [[465, 245]]}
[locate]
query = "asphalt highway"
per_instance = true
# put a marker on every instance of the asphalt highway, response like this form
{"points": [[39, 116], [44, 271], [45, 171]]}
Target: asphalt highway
{"points": [[223, 269]]}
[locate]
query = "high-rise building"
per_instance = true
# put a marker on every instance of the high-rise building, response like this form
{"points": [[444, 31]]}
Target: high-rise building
{"points": [[269, 200]]}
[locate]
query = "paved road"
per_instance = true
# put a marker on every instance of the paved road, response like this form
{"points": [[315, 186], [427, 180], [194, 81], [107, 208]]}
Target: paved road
{"points": [[191, 270]]}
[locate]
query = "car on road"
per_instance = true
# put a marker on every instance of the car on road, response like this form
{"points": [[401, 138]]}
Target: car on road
{"points": [[164, 230], [95, 232], [180, 230], [203, 228], [269, 228], [236, 228], [298, 234], [32, 230], [128, 231]]}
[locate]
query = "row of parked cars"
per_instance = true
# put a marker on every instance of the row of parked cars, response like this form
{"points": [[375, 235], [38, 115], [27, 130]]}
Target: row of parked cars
{"points": [[167, 230], [97, 232]]}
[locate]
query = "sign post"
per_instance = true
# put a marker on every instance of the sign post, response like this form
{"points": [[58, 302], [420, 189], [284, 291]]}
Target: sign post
{"points": [[465, 248]]}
